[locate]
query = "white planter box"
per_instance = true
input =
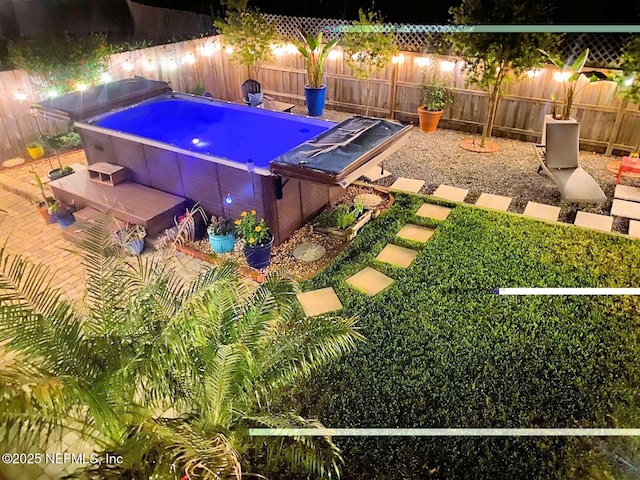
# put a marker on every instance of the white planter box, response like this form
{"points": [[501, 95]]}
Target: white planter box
{"points": [[550, 119]]}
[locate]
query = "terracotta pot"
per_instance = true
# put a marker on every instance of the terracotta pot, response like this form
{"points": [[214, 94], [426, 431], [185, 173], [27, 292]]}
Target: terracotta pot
{"points": [[428, 120], [44, 211]]}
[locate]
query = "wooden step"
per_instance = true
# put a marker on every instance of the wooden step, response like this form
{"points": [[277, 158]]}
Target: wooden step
{"points": [[75, 233], [127, 201]]}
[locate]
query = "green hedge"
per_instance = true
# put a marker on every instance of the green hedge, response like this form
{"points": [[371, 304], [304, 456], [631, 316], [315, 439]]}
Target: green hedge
{"points": [[443, 351]]}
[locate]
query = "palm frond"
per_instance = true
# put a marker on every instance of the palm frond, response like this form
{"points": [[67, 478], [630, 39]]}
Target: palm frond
{"points": [[316, 455], [34, 405], [106, 286], [303, 346], [168, 449]]}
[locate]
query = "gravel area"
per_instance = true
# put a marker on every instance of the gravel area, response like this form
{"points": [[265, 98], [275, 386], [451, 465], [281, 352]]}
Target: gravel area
{"points": [[437, 158]]}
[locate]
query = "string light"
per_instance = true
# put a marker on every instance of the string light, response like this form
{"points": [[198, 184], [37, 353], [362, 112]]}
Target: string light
{"points": [[533, 73], [189, 59], [290, 48], [561, 76], [169, 64], [53, 93], [334, 54], [21, 97], [629, 81], [206, 50], [149, 66], [447, 66], [106, 78], [422, 61], [278, 51], [128, 66], [81, 87], [397, 58], [229, 50]]}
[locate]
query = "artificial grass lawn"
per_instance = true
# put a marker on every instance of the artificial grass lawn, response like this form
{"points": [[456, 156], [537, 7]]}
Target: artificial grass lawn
{"points": [[443, 351]]}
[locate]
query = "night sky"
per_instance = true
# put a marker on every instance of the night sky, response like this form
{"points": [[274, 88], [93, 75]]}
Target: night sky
{"points": [[423, 11]]}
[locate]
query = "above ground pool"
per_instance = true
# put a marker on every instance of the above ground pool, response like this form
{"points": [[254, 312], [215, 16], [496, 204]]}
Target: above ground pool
{"points": [[227, 158], [218, 129]]}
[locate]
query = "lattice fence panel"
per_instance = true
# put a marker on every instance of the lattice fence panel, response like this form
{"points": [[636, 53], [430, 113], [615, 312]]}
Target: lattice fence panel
{"points": [[604, 49]]}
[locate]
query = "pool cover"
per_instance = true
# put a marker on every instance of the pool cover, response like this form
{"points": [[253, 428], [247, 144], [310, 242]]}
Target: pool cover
{"points": [[101, 98], [336, 154]]}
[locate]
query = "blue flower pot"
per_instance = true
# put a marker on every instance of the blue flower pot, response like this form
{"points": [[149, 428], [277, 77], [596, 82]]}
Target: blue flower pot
{"points": [[65, 220], [134, 247], [259, 256], [222, 243], [315, 99]]}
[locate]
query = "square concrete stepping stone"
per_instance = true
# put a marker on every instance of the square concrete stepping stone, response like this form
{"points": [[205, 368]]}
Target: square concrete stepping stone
{"points": [[594, 221], [624, 208], [542, 211], [416, 233], [411, 185], [398, 256], [369, 281], [627, 192], [495, 202], [430, 210], [454, 194], [376, 173], [13, 162], [317, 302], [634, 229]]}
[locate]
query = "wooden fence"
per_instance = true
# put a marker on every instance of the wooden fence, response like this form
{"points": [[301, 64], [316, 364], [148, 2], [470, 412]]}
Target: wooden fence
{"points": [[605, 121]]}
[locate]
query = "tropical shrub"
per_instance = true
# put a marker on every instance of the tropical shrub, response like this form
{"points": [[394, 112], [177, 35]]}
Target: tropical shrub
{"points": [[61, 63], [250, 35], [170, 374]]}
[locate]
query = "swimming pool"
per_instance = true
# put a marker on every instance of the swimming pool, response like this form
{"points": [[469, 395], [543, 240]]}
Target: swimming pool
{"points": [[213, 128]]}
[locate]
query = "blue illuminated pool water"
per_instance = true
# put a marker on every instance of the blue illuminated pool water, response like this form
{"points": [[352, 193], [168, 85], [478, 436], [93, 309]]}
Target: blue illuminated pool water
{"points": [[220, 129]]}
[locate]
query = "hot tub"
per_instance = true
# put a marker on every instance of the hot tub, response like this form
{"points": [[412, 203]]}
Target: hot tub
{"points": [[212, 152]]}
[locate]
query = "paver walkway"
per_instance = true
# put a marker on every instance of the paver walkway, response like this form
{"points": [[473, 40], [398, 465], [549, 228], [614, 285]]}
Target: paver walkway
{"points": [[26, 233]]}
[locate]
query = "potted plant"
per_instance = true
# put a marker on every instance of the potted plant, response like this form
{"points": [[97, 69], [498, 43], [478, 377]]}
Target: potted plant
{"points": [[433, 99], [131, 238], [46, 202], [344, 221], [62, 213], [221, 234], [315, 56], [570, 74], [35, 150], [56, 143], [193, 223], [257, 239]]}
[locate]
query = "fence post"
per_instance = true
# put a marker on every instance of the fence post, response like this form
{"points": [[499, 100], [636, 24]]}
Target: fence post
{"points": [[616, 126], [392, 93]]}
